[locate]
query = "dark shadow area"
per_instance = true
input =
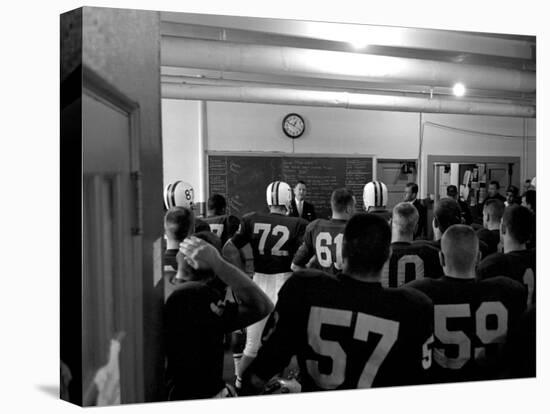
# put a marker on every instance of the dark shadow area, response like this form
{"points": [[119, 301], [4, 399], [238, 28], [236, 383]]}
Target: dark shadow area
{"points": [[52, 390]]}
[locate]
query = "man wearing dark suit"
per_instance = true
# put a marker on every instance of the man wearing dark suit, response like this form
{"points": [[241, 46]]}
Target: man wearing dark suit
{"points": [[299, 207], [411, 194], [465, 212]]}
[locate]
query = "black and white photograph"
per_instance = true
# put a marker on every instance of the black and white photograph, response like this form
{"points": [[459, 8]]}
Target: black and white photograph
{"points": [[253, 205]]}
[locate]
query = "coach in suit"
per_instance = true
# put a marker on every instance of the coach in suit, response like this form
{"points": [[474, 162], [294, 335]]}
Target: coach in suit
{"points": [[299, 207], [411, 194]]}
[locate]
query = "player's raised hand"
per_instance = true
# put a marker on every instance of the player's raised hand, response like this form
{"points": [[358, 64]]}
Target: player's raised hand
{"points": [[199, 254]]}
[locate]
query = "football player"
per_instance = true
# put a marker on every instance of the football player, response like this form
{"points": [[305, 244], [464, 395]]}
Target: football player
{"points": [[490, 233], [447, 212], [196, 317], [347, 331], [182, 194], [375, 198], [274, 238], [471, 317], [221, 224], [323, 238], [179, 222], [408, 260], [517, 262]]}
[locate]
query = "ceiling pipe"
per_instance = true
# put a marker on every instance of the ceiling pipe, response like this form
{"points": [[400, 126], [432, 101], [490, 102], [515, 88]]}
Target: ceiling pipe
{"points": [[304, 97], [279, 60], [191, 80]]}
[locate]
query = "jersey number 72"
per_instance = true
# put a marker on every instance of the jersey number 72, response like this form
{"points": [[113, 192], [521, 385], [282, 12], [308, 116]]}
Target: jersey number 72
{"points": [[265, 230]]}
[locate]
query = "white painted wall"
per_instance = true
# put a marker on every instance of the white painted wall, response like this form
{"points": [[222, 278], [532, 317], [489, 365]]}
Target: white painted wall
{"points": [[257, 127], [180, 141]]}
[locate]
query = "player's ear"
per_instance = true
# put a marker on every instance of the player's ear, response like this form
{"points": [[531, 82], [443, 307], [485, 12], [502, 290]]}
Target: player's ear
{"points": [[441, 259], [478, 258]]}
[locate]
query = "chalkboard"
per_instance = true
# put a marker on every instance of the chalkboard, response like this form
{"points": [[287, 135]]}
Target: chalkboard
{"points": [[243, 179]]}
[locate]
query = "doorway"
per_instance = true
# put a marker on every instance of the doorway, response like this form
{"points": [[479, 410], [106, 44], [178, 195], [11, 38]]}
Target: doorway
{"points": [[396, 174], [111, 269]]}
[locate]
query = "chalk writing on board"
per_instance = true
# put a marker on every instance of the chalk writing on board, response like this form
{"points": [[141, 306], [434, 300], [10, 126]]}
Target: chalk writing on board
{"points": [[243, 179]]}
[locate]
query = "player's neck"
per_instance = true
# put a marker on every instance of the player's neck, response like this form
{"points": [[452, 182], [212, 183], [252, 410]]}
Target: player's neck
{"points": [[340, 216], [460, 275], [172, 244], [362, 277], [512, 245], [274, 210], [397, 236]]}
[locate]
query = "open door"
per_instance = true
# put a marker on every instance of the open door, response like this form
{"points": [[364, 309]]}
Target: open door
{"points": [[111, 143], [396, 174]]}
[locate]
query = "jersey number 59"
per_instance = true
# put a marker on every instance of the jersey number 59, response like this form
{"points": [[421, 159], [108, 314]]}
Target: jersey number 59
{"points": [[459, 340]]}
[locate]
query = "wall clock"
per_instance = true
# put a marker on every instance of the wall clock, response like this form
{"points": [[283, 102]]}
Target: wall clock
{"points": [[293, 125]]}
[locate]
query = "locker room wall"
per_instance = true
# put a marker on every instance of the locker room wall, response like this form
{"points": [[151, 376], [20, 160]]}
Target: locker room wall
{"points": [[257, 127]]}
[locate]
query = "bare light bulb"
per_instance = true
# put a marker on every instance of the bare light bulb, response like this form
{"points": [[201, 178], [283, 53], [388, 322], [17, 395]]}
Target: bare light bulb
{"points": [[459, 89]]}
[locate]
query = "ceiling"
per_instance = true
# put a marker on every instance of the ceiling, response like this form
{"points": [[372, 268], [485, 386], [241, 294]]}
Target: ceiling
{"points": [[469, 55]]}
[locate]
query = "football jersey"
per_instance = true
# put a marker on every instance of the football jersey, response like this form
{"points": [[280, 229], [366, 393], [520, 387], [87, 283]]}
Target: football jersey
{"points": [[520, 265], [223, 226], [194, 336], [347, 333], [521, 348], [491, 238], [410, 261], [323, 239], [274, 239], [471, 322]]}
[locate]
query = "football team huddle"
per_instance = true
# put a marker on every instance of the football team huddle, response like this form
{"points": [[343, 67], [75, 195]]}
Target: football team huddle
{"points": [[355, 300]]}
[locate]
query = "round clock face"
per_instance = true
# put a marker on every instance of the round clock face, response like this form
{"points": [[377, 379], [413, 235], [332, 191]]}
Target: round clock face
{"points": [[293, 125]]}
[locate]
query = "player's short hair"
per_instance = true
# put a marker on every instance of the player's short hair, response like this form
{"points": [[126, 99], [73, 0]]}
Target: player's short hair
{"points": [[519, 222], [531, 198], [513, 189], [201, 274], [452, 190], [460, 246], [340, 199], [494, 208], [179, 222], [366, 246], [217, 203], [496, 184], [447, 213], [405, 217], [300, 182], [413, 187]]}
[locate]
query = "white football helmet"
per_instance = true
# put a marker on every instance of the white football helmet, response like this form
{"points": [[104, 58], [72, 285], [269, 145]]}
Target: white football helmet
{"points": [[375, 194], [278, 193], [534, 183], [178, 194]]}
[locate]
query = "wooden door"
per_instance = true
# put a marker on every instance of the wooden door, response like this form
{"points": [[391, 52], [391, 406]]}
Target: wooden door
{"points": [[111, 284], [389, 172]]}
